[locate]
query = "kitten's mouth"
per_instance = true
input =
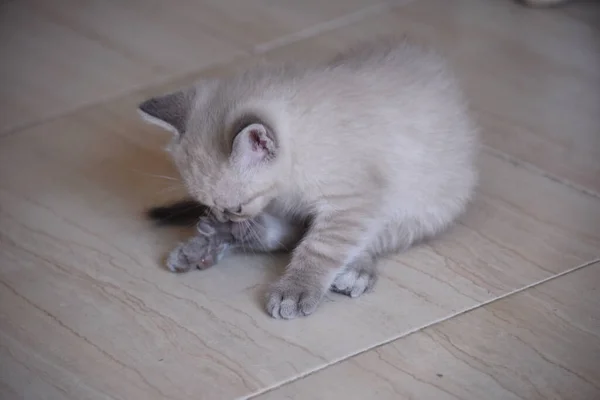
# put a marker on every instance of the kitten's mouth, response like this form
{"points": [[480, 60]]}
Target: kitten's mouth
{"points": [[239, 218], [230, 217]]}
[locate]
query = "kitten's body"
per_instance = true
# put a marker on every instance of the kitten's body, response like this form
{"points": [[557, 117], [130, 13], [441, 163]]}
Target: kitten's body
{"points": [[376, 149]]}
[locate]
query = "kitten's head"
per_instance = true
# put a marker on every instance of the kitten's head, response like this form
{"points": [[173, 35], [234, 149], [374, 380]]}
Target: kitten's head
{"points": [[227, 152]]}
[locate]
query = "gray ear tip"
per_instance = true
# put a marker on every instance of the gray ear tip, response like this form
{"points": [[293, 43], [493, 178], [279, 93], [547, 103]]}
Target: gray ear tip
{"points": [[148, 106], [170, 111]]}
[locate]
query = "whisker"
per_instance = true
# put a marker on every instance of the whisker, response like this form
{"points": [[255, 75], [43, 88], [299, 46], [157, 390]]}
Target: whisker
{"points": [[211, 210], [253, 249], [277, 241], [171, 178], [244, 241], [265, 250], [257, 237], [168, 190]]}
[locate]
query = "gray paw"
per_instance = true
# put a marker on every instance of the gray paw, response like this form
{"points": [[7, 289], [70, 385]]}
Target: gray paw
{"points": [[199, 252], [292, 296], [209, 227], [354, 282]]}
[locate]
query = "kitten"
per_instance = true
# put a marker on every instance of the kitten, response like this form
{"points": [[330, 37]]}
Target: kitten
{"points": [[343, 162]]}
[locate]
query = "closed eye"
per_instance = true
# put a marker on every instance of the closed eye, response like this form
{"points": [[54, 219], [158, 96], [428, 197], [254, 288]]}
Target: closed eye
{"points": [[239, 210], [234, 211]]}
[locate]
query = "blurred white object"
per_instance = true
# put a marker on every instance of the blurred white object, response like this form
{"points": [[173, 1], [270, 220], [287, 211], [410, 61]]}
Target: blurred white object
{"points": [[543, 3]]}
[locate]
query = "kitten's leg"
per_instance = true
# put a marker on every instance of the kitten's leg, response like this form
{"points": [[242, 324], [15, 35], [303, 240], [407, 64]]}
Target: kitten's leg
{"points": [[360, 275], [265, 233], [332, 241]]}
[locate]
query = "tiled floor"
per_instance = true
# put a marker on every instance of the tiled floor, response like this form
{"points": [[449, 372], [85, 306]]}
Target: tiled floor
{"points": [[87, 312], [541, 343]]}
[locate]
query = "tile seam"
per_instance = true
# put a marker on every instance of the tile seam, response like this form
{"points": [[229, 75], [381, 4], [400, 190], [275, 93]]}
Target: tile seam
{"points": [[285, 40], [418, 329]]}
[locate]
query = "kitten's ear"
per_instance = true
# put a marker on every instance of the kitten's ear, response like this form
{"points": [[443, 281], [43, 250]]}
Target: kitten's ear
{"points": [[255, 143], [170, 111]]}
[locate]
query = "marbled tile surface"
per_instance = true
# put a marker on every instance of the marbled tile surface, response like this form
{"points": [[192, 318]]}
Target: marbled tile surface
{"points": [[541, 344], [88, 312]]}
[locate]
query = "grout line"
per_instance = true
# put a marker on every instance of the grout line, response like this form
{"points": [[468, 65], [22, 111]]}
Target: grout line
{"points": [[539, 171], [328, 26], [307, 33], [417, 329], [99, 102]]}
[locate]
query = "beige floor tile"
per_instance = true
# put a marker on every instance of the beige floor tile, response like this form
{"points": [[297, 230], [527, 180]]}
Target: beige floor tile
{"points": [[261, 23], [531, 75], [87, 311], [60, 55], [540, 344]]}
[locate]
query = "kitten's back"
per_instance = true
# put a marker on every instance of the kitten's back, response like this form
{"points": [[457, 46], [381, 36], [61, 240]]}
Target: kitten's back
{"points": [[391, 109]]}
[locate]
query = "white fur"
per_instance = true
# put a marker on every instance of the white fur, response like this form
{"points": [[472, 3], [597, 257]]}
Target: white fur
{"points": [[377, 147]]}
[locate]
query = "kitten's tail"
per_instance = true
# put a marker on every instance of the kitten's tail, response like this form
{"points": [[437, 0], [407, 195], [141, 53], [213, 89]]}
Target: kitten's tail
{"points": [[180, 213]]}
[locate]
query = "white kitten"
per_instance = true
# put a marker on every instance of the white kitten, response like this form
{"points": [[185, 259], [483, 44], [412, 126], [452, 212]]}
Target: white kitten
{"points": [[375, 150]]}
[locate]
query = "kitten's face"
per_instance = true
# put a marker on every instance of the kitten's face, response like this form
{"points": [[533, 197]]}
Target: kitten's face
{"points": [[227, 162], [234, 182]]}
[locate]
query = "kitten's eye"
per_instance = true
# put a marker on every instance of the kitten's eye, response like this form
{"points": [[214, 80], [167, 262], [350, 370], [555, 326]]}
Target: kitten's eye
{"points": [[234, 211]]}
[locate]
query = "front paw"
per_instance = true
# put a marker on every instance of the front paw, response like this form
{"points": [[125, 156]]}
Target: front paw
{"points": [[199, 252], [209, 227], [354, 282], [294, 295]]}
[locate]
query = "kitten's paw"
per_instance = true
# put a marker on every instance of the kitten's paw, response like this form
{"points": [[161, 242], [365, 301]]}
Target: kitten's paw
{"points": [[199, 252], [208, 226], [293, 296], [354, 282]]}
